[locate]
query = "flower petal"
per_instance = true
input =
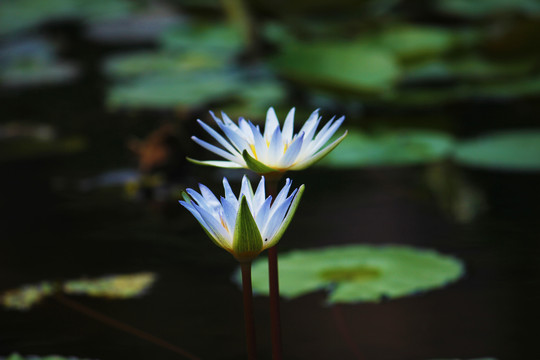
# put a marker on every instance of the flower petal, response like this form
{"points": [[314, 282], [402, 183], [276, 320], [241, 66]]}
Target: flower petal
{"points": [[215, 149], [292, 152], [218, 137], [271, 123], [312, 160], [288, 126], [285, 223]]}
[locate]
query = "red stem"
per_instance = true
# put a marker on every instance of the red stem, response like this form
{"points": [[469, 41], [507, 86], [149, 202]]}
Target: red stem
{"points": [[273, 278], [248, 310]]}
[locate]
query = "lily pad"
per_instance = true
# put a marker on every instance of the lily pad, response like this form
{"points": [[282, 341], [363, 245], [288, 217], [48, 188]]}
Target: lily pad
{"points": [[117, 286], [345, 67], [112, 287], [161, 63], [484, 8], [395, 148], [27, 296], [511, 150], [17, 15], [16, 356], [220, 39], [356, 273], [32, 61]]}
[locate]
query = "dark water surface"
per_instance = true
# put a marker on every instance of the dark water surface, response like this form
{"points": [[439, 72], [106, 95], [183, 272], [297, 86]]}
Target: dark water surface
{"points": [[62, 234]]}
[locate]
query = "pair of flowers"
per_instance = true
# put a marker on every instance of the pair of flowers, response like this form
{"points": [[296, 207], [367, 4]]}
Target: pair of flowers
{"points": [[252, 222]]}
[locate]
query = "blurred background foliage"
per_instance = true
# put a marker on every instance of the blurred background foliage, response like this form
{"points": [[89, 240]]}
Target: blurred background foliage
{"points": [[99, 101]]}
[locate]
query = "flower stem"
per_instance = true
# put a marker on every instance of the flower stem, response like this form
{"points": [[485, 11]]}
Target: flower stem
{"points": [[248, 310], [273, 278]]}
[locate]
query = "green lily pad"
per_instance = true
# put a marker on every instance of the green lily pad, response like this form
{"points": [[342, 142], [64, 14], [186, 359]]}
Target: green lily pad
{"points": [[180, 90], [511, 150], [410, 42], [470, 68], [27, 296], [112, 287], [345, 67], [161, 63], [117, 286], [17, 15], [395, 148], [356, 273], [212, 38], [16, 356], [483, 8]]}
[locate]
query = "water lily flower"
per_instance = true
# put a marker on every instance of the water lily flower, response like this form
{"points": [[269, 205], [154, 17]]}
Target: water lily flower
{"points": [[247, 224], [274, 150]]}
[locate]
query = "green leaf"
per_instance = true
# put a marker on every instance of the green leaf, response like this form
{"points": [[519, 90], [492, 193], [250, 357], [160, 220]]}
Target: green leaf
{"points": [[345, 67], [357, 273], [116, 286], [215, 163], [247, 241], [511, 150], [390, 148], [288, 218], [255, 165], [26, 296]]}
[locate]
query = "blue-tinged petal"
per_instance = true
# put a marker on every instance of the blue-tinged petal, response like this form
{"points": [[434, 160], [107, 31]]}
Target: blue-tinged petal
{"points": [[226, 118], [318, 156], [215, 226], [229, 194], [285, 223], [246, 129], [209, 196], [271, 123], [203, 224], [218, 137], [229, 213], [215, 149], [276, 217], [199, 199], [292, 152], [217, 163], [247, 191], [275, 150], [325, 134], [235, 135], [258, 198], [310, 121], [288, 126], [258, 143], [283, 193], [263, 213]]}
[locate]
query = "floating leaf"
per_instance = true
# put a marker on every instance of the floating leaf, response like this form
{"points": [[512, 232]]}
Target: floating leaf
{"points": [[346, 67], [16, 15], [174, 90], [32, 61], [357, 273], [405, 147], [482, 8], [113, 286], [220, 39], [511, 150], [16, 356], [117, 286], [161, 63], [27, 296], [409, 42]]}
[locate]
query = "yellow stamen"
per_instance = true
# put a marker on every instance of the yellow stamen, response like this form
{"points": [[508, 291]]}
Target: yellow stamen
{"points": [[253, 149]]}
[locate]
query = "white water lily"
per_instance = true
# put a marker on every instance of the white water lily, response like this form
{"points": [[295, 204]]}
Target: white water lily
{"points": [[274, 150], [247, 224]]}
